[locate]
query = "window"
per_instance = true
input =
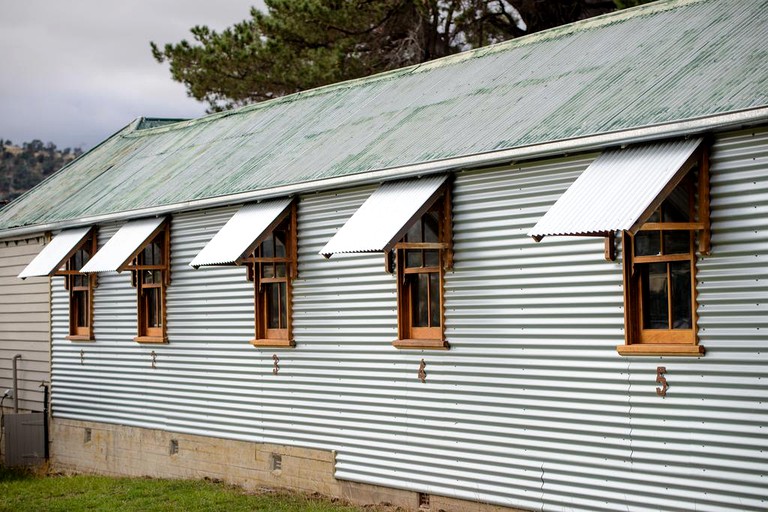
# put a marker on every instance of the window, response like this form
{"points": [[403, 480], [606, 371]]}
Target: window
{"points": [[659, 203], [660, 271], [421, 257], [80, 289], [66, 255], [410, 222], [151, 275], [272, 267], [261, 236]]}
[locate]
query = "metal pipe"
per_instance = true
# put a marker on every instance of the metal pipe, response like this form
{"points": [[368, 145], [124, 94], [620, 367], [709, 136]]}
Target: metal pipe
{"points": [[15, 383], [688, 127], [44, 385]]}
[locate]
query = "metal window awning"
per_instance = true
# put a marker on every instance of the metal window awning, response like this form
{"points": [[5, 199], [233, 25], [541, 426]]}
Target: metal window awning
{"points": [[242, 233], [619, 190], [385, 216], [53, 255], [124, 245]]}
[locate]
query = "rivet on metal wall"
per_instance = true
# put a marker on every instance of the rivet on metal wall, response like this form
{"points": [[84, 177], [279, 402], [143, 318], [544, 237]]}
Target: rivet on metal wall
{"points": [[422, 372], [154, 359], [276, 367], [82, 356], [660, 379]]}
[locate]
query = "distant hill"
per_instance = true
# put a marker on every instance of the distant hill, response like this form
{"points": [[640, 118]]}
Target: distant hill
{"points": [[23, 167]]}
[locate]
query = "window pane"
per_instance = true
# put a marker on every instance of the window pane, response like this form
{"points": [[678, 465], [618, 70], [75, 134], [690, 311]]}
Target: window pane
{"points": [[279, 244], [85, 256], [431, 227], [268, 248], [413, 258], [655, 217], [419, 301], [414, 233], [147, 277], [680, 272], [647, 243], [280, 270], [157, 253], [677, 242], [655, 296], [146, 256], [283, 306], [676, 207], [273, 305], [431, 258], [154, 316], [80, 304], [434, 299]]}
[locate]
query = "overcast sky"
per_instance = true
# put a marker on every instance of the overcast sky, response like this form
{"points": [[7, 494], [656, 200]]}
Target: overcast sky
{"points": [[75, 72]]}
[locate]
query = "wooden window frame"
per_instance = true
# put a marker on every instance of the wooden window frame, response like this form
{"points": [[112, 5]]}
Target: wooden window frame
{"points": [[411, 336], [264, 336], [69, 272], [667, 342], [146, 333]]}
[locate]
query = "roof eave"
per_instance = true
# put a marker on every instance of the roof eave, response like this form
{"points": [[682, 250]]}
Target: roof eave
{"points": [[695, 126]]}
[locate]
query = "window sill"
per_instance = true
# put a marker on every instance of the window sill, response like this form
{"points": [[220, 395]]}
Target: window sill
{"points": [[660, 349], [272, 343], [150, 339], [80, 337], [418, 344]]}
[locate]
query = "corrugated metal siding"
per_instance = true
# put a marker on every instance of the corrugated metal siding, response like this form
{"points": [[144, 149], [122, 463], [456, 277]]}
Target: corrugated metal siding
{"points": [[24, 323], [614, 192], [660, 63], [532, 407]]}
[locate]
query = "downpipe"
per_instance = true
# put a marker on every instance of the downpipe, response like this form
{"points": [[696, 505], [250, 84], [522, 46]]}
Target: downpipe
{"points": [[46, 392], [16, 383]]}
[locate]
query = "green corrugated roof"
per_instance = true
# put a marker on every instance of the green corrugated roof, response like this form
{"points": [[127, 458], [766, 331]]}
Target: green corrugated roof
{"points": [[659, 63]]}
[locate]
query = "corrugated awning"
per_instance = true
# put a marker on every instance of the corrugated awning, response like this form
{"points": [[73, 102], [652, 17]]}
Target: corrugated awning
{"points": [[53, 255], [124, 245], [385, 216], [619, 190], [242, 233]]}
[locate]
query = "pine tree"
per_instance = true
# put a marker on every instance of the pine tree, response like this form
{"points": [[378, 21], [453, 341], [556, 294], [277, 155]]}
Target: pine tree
{"points": [[302, 44]]}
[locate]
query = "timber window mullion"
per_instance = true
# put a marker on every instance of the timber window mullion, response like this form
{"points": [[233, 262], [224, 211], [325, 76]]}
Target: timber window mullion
{"points": [[680, 211], [151, 275], [274, 268], [420, 264], [80, 289]]}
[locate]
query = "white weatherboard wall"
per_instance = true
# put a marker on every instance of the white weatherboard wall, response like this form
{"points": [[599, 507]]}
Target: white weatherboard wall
{"points": [[24, 323], [531, 407]]}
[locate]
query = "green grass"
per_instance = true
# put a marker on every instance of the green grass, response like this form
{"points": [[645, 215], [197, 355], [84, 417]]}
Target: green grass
{"points": [[26, 492]]}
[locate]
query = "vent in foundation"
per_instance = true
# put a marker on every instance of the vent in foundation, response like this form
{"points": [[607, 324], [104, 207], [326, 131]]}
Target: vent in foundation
{"points": [[276, 462], [174, 447], [87, 435], [423, 501]]}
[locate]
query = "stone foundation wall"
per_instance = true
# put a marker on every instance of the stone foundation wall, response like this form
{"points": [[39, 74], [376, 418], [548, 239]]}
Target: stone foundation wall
{"points": [[100, 448]]}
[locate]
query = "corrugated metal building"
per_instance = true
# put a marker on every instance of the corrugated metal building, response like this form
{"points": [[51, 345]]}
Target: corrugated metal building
{"points": [[538, 396]]}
